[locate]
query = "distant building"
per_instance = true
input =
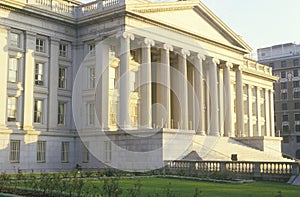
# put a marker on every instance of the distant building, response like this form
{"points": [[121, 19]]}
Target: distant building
{"points": [[284, 59]]}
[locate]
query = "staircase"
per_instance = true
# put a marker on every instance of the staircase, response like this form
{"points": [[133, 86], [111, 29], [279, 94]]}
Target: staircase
{"points": [[221, 149]]}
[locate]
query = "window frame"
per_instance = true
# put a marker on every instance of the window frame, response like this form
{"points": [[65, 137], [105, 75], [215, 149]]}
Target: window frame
{"points": [[14, 151], [37, 111], [40, 45], [65, 151], [39, 70], [63, 50], [11, 70], [13, 118], [61, 115], [62, 79], [41, 151]]}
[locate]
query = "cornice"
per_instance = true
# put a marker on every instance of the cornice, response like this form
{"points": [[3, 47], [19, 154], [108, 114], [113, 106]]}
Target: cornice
{"points": [[162, 9]]}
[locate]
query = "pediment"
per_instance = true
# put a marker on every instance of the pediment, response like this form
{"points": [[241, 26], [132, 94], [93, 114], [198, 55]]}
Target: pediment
{"points": [[196, 20]]}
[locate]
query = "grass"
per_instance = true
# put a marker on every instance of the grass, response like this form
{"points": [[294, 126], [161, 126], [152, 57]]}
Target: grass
{"points": [[187, 188]]}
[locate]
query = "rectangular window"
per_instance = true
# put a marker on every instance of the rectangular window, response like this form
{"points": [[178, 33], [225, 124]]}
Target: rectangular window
{"points": [[283, 85], [298, 139], [14, 151], [65, 152], [12, 109], [13, 70], [285, 139], [297, 116], [40, 45], [38, 111], [41, 151], [61, 113], [271, 65], [283, 74], [285, 117], [297, 105], [91, 48], [284, 106], [63, 50], [296, 62], [62, 78], [296, 84], [285, 128], [296, 94], [14, 39], [92, 77], [91, 114], [283, 64], [107, 149], [295, 73], [39, 74], [297, 128], [85, 153], [284, 96]]}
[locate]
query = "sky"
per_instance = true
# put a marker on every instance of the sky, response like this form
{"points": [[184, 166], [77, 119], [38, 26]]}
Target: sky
{"points": [[261, 23]]}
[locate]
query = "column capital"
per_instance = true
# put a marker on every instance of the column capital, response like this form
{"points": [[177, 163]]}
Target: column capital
{"points": [[168, 47], [200, 56], [215, 61], [228, 65], [239, 68], [125, 35], [185, 52], [148, 42]]}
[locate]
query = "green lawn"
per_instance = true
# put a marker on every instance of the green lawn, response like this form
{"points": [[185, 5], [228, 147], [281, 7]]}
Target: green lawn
{"points": [[184, 188]]}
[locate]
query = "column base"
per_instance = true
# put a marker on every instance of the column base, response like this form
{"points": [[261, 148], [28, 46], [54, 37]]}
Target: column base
{"points": [[214, 133], [201, 133]]}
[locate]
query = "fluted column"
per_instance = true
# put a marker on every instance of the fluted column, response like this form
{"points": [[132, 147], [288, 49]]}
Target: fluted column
{"points": [[146, 91], [239, 102], [250, 122], [124, 117], [29, 82], [229, 131], [258, 114], [200, 111], [267, 113], [213, 90], [166, 93], [3, 74], [183, 89], [272, 127]]}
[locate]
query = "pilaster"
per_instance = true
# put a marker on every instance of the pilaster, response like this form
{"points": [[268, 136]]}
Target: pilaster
{"points": [[272, 127], [250, 121], [267, 113], [258, 89], [228, 124]]}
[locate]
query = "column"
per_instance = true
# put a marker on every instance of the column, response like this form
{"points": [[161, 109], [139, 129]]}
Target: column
{"points": [[102, 83], [3, 74], [124, 117], [250, 122], [29, 82], [200, 111], [239, 102], [183, 89], [258, 113], [267, 113], [53, 83], [166, 94], [272, 127], [229, 131], [146, 88], [213, 90], [221, 101]]}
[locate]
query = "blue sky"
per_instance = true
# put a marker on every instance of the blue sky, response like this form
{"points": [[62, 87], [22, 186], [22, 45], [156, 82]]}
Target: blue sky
{"points": [[261, 23]]}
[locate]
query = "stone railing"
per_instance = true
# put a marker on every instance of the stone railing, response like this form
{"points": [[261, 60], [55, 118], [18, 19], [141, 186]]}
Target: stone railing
{"points": [[255, 170], [96, 6], [251, 64]]}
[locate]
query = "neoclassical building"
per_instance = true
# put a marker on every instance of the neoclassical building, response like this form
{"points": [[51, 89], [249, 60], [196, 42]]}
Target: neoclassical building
{"points": [[129, 84]]}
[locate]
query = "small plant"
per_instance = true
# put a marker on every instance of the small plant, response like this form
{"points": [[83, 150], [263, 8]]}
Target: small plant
{"points": [[136, 191], [111, 188]]}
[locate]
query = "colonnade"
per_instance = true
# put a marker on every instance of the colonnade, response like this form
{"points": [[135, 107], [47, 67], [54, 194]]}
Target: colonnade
{"points": [[213, 89]]}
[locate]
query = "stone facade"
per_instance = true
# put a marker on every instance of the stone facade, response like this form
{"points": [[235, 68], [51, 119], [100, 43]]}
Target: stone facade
{"points": [[122, 83]]}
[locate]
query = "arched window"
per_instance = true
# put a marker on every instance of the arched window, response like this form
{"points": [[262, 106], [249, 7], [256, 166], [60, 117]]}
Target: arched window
{"points": [[298, 154]]}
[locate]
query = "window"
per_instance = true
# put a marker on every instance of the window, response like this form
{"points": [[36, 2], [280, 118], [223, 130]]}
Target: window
{"points": [[39, 77], [41, 151], [107, 149], [85, 153], [297, 105], [284, 106], [91, 77], [295, 73], [91, 114], [40, 45], [285, 128], [298, 139], [13, 70], [283, 74], [296, 84], [91, 48], [285, 117], [61, 113], [63, 50], [14, 151], [297, 128], [62, 78], [296, 62], [283, 96], [14, 39], [285, 139], [296, 94], [65, 152], [283, 85], [283, 64], [12, 109], [38, 111], [297, 116], [271, 65]]}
